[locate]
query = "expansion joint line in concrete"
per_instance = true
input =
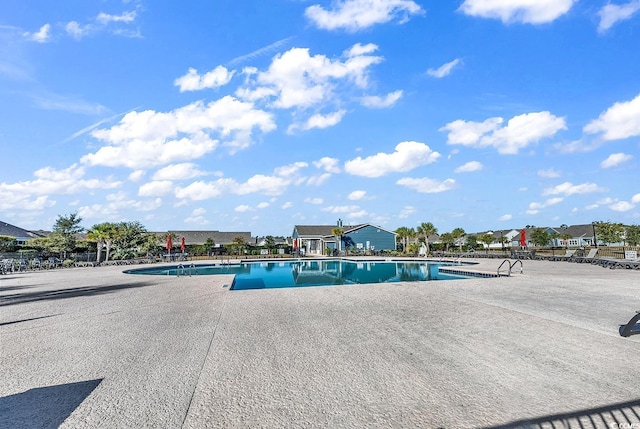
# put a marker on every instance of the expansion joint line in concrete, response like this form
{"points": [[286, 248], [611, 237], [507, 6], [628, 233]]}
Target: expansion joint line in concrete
{"points": [[204, 361]]}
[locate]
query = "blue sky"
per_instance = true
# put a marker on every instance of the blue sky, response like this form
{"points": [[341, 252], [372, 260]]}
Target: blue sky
{"points": [[260, 115]]}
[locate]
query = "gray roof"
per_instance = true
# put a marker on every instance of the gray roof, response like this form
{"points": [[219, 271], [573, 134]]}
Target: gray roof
{"points": [[576, 231], [218, 237], [323, 230], [9, 230]]}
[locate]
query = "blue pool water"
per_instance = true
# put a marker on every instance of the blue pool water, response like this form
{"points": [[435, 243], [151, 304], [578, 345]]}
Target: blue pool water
{"points": [[300, 273]]}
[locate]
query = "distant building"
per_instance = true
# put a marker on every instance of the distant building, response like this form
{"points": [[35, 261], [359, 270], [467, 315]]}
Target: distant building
{"points": [[315, 239], [219, 238], [22, 236]]}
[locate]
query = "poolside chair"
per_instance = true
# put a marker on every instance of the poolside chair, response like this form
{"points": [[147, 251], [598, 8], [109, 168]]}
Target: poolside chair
{"points": [[8, 265], [569, 253], [591, 256], [630, 328]]}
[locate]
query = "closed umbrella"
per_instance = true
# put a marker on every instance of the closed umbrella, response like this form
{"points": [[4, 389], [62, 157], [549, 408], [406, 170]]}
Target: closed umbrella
{"points": [[523, 238], [182, 244], [169, 244]]}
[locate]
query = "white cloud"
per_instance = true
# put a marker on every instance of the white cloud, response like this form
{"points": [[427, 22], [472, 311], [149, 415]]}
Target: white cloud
{"points": [[340, 209], [267, 185], [49, 181], [407, 156], [126, 17], [605, 201], [525, 11], [469, 167], [290, 170], [568, 188], [260, 52], [263, 205], [354, 15], [243, 208], [24, 202], [197, 217], [520, 132], [622, 206], [610, 14], [200, 190], [286, 205], [549, 174], [192, 81], [114, 205], [136, 176], [615, 159], [534, 208], [318, 180], [331, 165], [156, 188], [310, 200], [377, 102], [357, 195], [505, 217], [319, 121], [620, 121], [41, 36], [443, 70], [149, 138], [116, 24], [298, 80], [426, 185], [77, 31], [406, 212], [182, 171], [635, 199]]}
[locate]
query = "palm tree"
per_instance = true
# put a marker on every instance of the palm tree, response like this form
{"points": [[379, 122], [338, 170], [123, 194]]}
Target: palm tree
{"points": [[239, 244], [402, 234], [457, 234], [447, 239], [427, 229], [337, 232], [103, 234]]}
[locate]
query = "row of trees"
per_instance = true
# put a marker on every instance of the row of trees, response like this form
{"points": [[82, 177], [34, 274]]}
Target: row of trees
{"points": [[121, 240], [412, 238], [116, 240]]}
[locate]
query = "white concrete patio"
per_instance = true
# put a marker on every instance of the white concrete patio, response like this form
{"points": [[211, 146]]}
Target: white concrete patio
{"points": [[93, 347]]}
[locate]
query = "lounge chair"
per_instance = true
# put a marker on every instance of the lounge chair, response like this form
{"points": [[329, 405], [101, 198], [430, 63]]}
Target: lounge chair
{"points": [[630, 328], [568, 254], [591, 256], [8, 266]]}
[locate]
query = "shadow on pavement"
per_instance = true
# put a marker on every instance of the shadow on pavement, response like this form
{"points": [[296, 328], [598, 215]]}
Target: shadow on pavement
{"points": [[47, 295], [618, 416], [44, 407]]}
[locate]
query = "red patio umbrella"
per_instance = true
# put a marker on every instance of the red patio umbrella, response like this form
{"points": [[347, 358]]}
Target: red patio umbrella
{"points": [[523, 238], [182, 244], [169, 243]]}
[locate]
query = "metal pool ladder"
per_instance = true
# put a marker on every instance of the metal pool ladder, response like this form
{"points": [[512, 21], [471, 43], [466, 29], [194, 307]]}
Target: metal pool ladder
{"points": [[510, 266], [190, 269]]}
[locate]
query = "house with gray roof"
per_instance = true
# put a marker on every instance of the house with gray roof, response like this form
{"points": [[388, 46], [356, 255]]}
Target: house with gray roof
{"points": [[220, 238], [316, 239], [22, 236]]}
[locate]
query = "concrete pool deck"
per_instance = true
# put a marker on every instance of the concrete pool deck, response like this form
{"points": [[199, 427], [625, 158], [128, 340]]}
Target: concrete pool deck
{"points": [[93, 347]]}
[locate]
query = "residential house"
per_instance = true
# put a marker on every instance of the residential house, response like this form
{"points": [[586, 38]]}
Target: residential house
{"points": [[316, 239], [219, 238], [22, 236]]}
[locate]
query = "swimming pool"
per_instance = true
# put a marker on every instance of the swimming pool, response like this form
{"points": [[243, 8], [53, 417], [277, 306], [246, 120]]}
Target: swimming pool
{"points": [[300, 273]]}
